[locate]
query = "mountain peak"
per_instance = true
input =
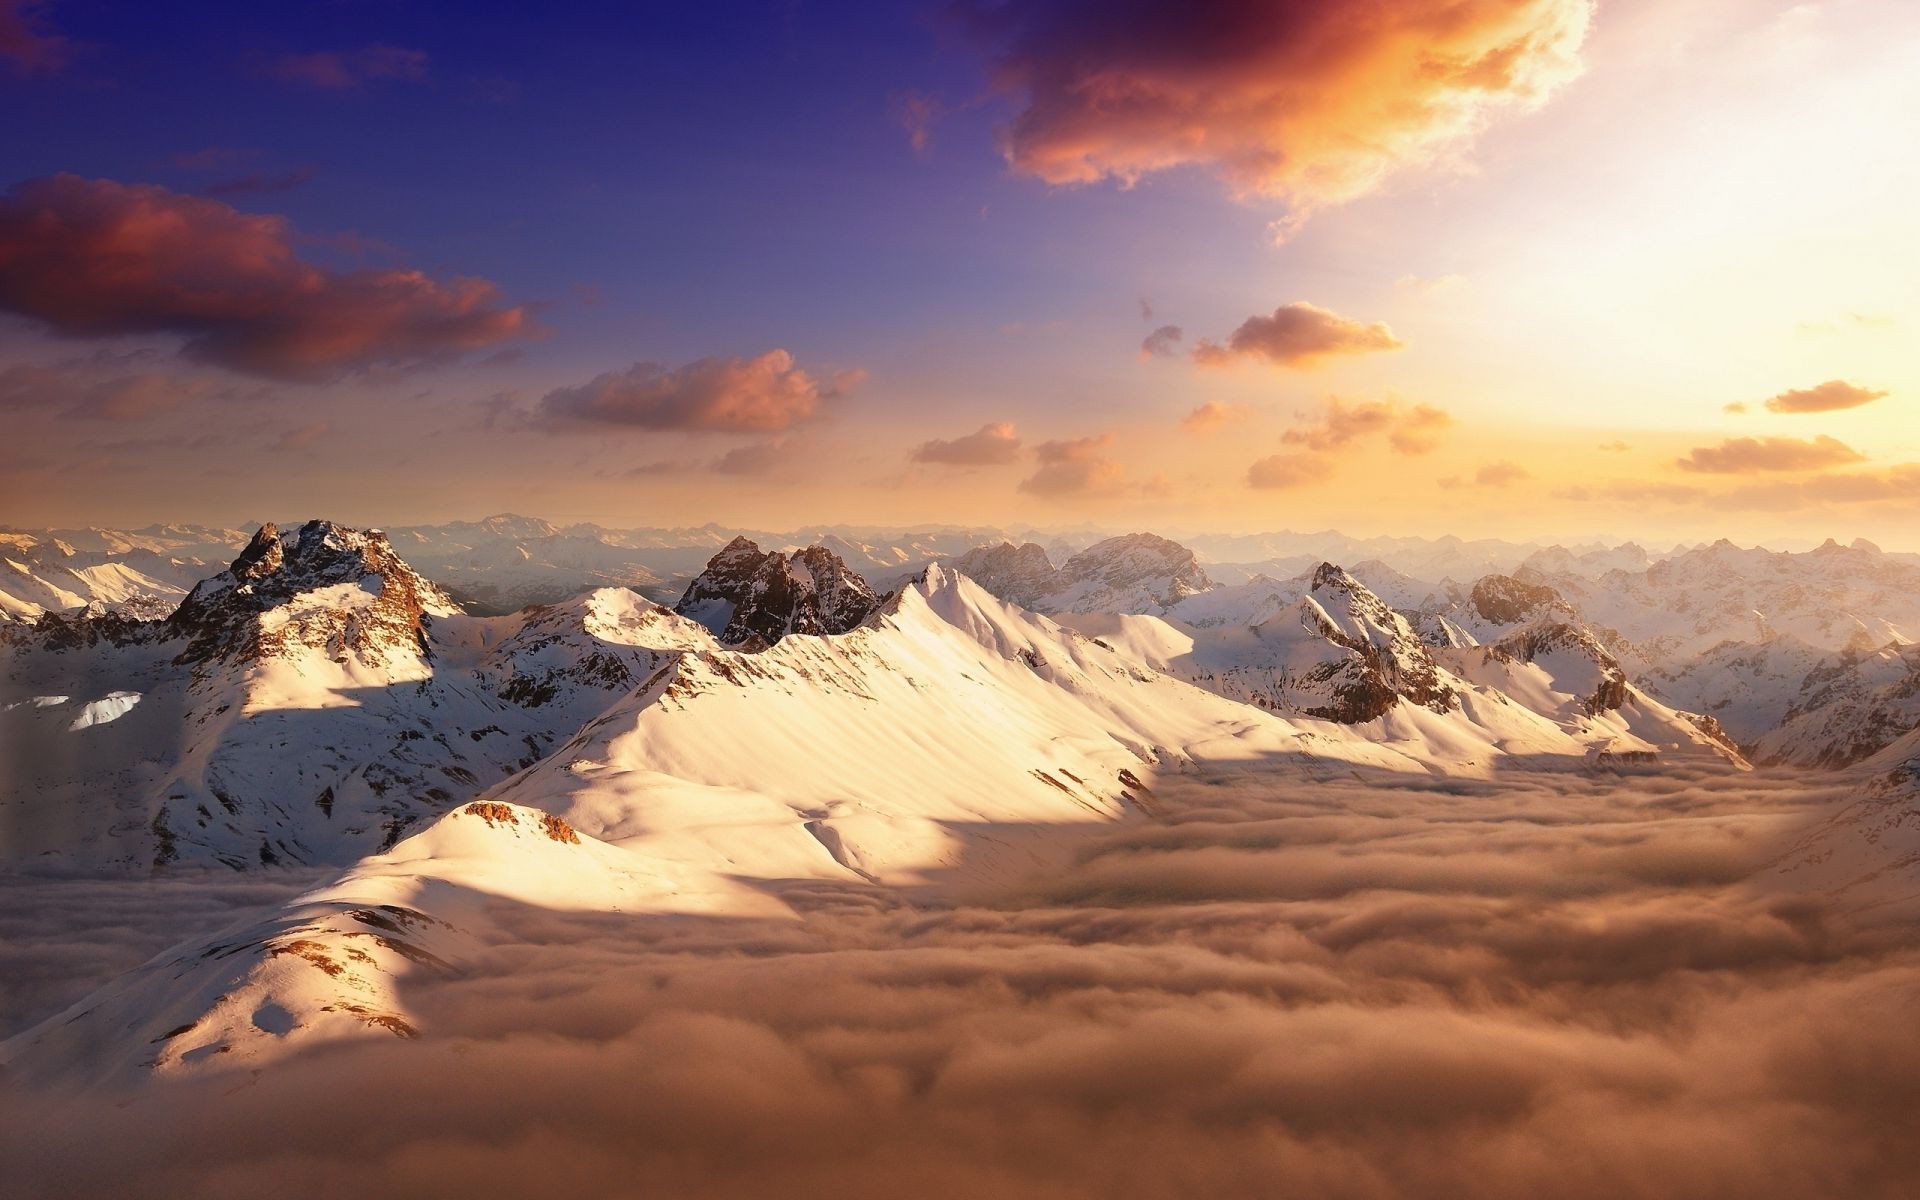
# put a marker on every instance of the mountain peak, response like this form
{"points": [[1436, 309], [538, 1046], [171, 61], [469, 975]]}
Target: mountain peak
{"points": [[745, 594], [1330, 575], [262, 556], [322, 587], [1505, 600]]}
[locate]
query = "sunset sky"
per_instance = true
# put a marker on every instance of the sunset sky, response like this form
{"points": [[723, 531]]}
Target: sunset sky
{"points": [[1520, 268]]}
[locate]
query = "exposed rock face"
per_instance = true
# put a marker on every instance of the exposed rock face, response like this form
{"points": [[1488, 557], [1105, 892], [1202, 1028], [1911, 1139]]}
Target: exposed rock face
{"points": [[1849, 707], [746, 594], [1603, 682], [323, 587], [1504, 600], [1385, 660], [1131, 573], [1020, 575]]}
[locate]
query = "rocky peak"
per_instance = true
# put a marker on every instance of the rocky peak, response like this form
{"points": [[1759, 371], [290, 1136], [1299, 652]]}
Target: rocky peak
{"points": [[1017, 574], [1582, 664], [1136, 558], [262, 556], [747, 594], [321, 587], [1380, 660], [1505, 600]]}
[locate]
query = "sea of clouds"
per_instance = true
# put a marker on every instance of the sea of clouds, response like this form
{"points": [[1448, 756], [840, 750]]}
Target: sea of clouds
{"points": [[1543, 986]]}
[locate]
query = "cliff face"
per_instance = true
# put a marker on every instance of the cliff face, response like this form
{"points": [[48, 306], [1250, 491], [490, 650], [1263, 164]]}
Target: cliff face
{"points": [[747, 595], [321, 587]]}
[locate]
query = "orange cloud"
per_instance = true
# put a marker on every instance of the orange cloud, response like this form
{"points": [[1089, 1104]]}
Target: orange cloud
{"points": [[1827, 397], [1419, 430], [754, 458], [764, 394], [1074, 467], [99, 258], [992, 445], [1740, 456], [1492, 475], [1279, 472], [1412, 431], [1312, 102], [1212, 415], [1297, 335]]}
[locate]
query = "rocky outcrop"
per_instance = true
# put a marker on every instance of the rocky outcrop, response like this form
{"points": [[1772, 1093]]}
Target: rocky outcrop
{"points": [[1136, 572], [323, 586], [1384, 662], [1133, 573], [1504, 600], [1601, 681], [1020, 575], [746, 594]]}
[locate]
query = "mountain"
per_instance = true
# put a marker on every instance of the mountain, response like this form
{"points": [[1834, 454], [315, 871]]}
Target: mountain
{"points": [[312, 703], [747, 595], [1325, 646], [1865, 852], [506, 562], [1022, 574], [1136, 572], [1758, 638], [1831, 598], [1848, 708], [42, 575]]}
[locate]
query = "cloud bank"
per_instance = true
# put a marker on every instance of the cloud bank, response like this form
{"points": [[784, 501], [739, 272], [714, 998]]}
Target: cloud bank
{"points": [[96, 258], [992, 445], [1296, 335], [1746, 456], [1074, 467], [1308, 102], [764, 394], [1571, 987], [1830, 396]]}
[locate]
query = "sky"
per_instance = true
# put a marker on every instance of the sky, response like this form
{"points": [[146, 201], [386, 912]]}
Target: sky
{"points": [[1537, 269]]}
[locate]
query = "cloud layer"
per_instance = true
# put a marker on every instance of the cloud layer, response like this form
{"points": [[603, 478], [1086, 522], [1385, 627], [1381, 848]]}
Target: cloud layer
{"points": [[993, 445], [1832, 395], [1311, 102], [763, 394], [1558, 986], [1745, 456], [96, 258], [1296, 335], [1074, 467]]}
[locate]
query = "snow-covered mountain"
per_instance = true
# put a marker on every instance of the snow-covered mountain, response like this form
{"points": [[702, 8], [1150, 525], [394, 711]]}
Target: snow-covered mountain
{"points": [[312, 703], [1848, 708], [1133, 573], [1865, 855], [746, 595], [42, 575], [506, 562]]}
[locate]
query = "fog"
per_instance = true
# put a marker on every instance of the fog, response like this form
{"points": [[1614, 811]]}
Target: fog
{"points": [[1555, 986]]}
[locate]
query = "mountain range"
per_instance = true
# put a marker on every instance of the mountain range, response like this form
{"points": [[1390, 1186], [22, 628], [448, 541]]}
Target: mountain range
{"points": [[322, 701]]}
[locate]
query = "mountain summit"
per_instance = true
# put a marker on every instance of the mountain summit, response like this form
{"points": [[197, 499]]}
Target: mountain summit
{"points": [[746, 594], [322, 587]]}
